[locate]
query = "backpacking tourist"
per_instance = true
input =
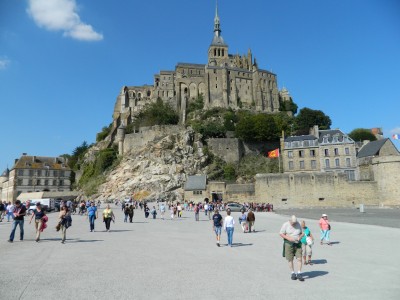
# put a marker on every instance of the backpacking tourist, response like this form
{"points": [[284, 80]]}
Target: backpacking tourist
{"points": [[92, 215], [251, 218], [9, 211], [131, 212], [291, 233], [154, 212], [210, 210], [325, 227], [217, 226], [229, 226], [39, 215], [243, 221], [126, 213], [64, 222], [108, 216], [146, 211], [196, 212], [162, 210], [306, 242], [19, 214]]}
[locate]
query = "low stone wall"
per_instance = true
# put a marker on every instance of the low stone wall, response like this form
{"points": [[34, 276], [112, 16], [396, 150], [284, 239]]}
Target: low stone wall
{"points": [[314, 189], [387, 174], [240, 192]]}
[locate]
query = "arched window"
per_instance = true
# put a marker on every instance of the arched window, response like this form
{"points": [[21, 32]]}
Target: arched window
{"points": [[223, 52], [215, 52]]}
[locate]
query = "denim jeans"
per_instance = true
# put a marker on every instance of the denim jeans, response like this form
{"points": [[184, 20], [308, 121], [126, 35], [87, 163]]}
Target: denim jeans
{"points": [[229, 231], [14, 227], [91, 221]]}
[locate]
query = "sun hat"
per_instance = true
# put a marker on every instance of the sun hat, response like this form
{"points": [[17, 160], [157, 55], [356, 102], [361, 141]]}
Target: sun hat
{"points": [[324, 215]]}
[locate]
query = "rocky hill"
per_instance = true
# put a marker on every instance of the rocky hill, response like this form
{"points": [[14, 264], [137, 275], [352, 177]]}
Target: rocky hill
{"points": [[156, 170]]}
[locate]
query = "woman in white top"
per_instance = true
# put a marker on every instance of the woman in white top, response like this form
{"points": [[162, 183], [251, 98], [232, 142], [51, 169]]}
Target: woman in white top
{"points": [[229, 224]]}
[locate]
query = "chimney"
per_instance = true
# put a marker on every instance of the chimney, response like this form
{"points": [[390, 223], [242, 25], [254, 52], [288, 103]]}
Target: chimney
{"points": [[24, 154], [33, 159], [315, 131]]}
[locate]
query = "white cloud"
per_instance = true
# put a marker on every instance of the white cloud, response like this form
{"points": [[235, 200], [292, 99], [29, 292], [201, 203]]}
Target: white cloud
{"points": [[4, 63], [395, 130], [62, 15]]}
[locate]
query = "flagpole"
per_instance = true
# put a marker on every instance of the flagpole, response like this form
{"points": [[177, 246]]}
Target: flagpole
{"points": [[279, 157]]}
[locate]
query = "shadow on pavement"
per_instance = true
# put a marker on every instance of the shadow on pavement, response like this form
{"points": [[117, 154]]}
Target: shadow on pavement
{"points": [[240, 245], [82, 241], [319, 261], [335, 243], [121, 230], [314, 274], [139, 222]]}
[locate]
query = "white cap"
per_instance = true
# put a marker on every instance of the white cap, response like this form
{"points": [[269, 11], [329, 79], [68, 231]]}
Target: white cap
{"points": [[324, 215], [293, 219]]}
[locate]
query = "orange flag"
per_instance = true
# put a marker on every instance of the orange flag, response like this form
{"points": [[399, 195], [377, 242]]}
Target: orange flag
{"points": [[273, 153]]}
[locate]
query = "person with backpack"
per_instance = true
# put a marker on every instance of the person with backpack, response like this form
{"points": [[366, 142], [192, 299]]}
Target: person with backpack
{"points": [[196, 212], [131, 212], [217, 225], [65, 221], [154, 212], [40, 217], [126, 213]]}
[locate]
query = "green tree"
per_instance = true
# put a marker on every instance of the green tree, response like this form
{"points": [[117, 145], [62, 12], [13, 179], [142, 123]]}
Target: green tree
{"points": [[105, 131], [307, 118], [157, 113], [288, 106], [362, 134], [229, 172], [245, 127], [265, 128], [197, 104]]}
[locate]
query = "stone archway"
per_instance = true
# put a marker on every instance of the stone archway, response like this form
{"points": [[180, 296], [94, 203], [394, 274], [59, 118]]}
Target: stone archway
{"points": [[193, 91]]}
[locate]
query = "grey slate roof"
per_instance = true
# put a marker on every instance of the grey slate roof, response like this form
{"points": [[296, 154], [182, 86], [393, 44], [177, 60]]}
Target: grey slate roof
{"points": [[218, 41], [197, 182], [300, 138], [372, 148], [5, 173], [331, 133]]}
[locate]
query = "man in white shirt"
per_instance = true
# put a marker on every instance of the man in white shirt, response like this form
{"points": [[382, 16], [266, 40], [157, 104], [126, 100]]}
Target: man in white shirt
{"points": [[291, 232], [229, 224]]}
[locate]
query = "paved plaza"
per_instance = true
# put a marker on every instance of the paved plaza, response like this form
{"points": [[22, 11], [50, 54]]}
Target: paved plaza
{"points": [[156, 259]]}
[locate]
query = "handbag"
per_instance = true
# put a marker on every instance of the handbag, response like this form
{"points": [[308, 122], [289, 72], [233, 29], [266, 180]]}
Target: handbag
{"points": [[329, 226], [309, 241]]}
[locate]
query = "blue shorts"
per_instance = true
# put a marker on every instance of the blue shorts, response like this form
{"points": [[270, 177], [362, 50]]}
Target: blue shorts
{"points": [[217, 230]]}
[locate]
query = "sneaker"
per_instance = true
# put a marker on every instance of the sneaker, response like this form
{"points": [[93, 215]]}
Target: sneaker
{"points": [[10, 241], [300, 277], [293, 276]]}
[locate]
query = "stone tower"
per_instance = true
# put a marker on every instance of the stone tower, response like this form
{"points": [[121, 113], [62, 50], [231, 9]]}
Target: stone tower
{"points": [[218, 50]]}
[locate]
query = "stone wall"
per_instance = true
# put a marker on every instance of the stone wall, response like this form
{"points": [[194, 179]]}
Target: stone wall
{"points": [[314, 189], [148, 134], [240, 192], [387, 175]]}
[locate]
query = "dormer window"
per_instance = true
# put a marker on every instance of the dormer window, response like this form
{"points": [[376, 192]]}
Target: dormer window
{"points": [[325, 139]]}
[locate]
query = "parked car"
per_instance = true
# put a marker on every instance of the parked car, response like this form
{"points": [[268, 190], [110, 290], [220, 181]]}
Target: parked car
{"points": [[235, 206], [47, 204]]}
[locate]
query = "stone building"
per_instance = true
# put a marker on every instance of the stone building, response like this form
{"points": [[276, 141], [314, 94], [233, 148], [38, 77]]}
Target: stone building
{"points": [[226, 80], [35, 174], [195, 188], [371, 150], [322, 150]]}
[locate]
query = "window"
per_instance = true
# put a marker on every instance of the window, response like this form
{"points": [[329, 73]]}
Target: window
{"points": [[347, 151], [38, 182], [336, 151], [62, 174], [19, 182], [55, 173], [30, 182], [350, 175], [290, 154], [54, 182], [325, 139], [312, 153], [301, 153], [39, 172], [197, 192], [302, 164], [20, 172], [327, 163], [348, 162], [291, 166], [61, 182], [313, 164], [326, 151], [337, 162], [46, 182], [30, 172]]}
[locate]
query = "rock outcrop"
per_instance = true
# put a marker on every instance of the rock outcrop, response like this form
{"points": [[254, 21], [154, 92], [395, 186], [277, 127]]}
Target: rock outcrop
{"points": [[156, 170]]}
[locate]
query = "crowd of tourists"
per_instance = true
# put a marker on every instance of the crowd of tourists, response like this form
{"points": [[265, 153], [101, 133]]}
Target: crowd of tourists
{"points": [[297, 237]]}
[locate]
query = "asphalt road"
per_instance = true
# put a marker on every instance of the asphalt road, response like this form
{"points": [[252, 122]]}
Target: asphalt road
{"points": [[156, 259]]}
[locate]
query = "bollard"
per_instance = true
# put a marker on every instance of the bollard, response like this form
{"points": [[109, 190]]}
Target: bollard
{"points": [[362, 208]]}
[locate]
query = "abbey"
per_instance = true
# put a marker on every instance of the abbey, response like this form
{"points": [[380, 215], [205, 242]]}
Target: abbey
{"points": [[229, 81]]}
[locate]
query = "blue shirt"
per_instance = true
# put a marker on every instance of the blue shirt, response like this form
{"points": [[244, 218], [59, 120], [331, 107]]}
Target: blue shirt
{"points": [[217, 218], [92, 210]]}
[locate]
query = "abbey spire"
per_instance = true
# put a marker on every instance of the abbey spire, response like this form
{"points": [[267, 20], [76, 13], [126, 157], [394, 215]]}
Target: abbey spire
{"points": [[217, 24]]}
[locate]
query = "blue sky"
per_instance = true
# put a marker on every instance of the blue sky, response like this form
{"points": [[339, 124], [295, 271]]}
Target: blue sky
{"points": [[63, 62]]}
